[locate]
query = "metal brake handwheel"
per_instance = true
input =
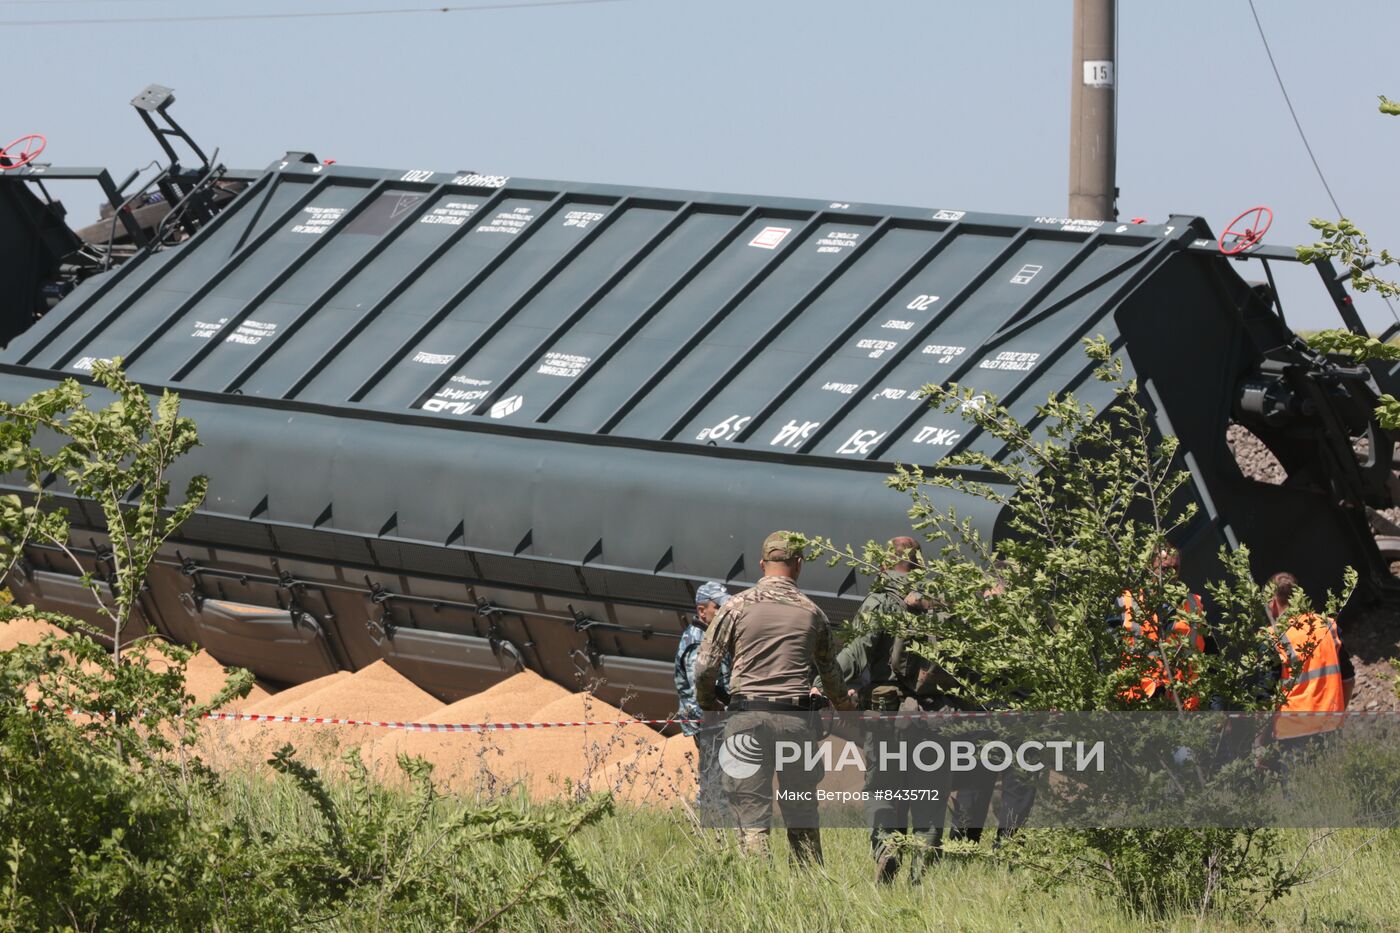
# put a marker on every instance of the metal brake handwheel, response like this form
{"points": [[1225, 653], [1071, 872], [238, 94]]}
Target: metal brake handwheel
{"points": [[1246, 230], [28, 150]]}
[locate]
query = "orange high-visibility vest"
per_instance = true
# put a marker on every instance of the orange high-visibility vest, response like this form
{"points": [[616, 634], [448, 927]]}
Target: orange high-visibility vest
{"points": [[1311, 650], [1182, 631]]}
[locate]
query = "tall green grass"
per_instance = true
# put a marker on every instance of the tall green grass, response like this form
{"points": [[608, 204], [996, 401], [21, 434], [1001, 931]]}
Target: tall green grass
{"points": [[662, 873]]}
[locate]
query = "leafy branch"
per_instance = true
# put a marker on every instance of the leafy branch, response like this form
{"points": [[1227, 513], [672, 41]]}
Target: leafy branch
{"points": [[117, 456]]}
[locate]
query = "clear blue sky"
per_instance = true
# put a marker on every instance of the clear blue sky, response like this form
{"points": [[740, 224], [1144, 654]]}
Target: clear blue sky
{"points": [[921, 102]]}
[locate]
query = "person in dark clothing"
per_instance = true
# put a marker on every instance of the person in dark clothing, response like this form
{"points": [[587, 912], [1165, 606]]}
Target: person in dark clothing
{"points": [[887, 675]]}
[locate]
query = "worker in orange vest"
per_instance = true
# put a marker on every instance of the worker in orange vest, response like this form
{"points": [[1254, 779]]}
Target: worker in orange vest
{"points": [[1313, 665], [1167, 563]]}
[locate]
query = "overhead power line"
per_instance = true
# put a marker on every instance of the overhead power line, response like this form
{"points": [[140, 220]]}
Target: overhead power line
{"points": [[1296, 122], [321, 14], [63, 2], [67, 2], [1304, 136]]}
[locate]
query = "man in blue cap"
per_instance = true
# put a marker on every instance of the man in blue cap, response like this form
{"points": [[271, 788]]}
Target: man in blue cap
{"points": [[709, 597]]}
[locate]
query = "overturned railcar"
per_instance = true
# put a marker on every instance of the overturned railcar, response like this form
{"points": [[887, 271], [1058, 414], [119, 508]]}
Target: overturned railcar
{"points": [[468, 423]]}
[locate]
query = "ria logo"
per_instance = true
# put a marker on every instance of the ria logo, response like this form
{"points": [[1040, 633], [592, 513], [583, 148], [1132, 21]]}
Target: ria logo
{"points": [[740, 756]]}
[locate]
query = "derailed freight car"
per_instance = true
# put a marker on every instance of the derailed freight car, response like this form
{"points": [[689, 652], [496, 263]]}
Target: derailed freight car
{"points": [[468, 423]]}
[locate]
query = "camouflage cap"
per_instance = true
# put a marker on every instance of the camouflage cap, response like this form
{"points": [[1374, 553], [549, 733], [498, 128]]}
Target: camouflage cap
{"points": [[775, 546]]}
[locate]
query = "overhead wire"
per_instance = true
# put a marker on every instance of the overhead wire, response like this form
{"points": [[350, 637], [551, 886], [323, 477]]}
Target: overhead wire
{"points": [[72, 2], [1298, 124], [309, 14], [1294, 113]]}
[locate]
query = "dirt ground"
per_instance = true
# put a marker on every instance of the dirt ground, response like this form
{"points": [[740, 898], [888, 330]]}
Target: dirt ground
{"points": [[1371, 636]]}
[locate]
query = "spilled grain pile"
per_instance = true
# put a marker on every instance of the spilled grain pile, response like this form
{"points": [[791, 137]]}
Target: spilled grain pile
{"points": [[458, 758], [375, 693], [26, 632], [661, 773], [293, 695], [631, 761], [515, 699], [205, 677], [18, 632]]}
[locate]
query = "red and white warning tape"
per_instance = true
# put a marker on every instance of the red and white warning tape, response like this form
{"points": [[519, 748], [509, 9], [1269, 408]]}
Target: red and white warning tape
{"points": [[433, 726], [412, 726], [513, 726]]}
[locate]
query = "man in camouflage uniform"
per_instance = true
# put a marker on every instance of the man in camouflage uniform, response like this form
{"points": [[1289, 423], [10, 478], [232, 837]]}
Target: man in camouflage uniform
{"points": [[774, 637], [709, 599], [885, 675]]}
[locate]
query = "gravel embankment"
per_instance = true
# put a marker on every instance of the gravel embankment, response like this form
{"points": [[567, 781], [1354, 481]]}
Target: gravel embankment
{"points": [[1371, 636]]}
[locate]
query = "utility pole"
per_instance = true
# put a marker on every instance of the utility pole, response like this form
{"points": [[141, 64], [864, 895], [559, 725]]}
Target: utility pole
{"points": [[1093, 190]]}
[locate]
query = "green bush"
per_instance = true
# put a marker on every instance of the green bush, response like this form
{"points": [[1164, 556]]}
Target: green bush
{"points": [[102, 817], [1090, 497], [108, 817], [370, 851], [1158, 873]]}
